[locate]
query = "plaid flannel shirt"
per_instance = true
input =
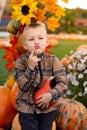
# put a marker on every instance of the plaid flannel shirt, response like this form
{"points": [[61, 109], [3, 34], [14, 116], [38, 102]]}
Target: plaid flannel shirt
{"points": [[29, 80]]}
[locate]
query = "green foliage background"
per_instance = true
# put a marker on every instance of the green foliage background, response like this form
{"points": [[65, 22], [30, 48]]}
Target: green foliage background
{"points": [[67, 23]]}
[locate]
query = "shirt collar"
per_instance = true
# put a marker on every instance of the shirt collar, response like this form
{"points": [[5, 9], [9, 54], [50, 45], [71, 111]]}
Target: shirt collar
{"points": [[42, 55]]}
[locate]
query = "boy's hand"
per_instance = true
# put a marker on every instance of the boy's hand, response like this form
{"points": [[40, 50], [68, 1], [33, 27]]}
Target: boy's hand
{"points": [[33, 60], [44, 100]]}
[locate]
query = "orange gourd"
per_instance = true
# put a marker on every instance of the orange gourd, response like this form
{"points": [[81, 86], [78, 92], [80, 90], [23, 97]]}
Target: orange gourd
{"points": [[16, 125], [67, 60], [45, 88], [14, 93], [7, 112]]}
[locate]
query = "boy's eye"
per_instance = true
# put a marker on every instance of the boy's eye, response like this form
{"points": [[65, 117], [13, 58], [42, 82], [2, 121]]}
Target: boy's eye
{"points": [[31, 39], [41, 38]]}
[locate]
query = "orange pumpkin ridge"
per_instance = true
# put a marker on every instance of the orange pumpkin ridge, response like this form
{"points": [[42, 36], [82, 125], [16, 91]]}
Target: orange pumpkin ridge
{"points": [[7, 112], [14, 93], [83, 122]]}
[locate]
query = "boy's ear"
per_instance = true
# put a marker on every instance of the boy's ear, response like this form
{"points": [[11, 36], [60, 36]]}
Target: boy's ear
{"points": [[25, 46]]}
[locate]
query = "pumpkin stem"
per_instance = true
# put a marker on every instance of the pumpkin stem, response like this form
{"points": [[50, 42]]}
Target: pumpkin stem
{"points": [[74, 97]]}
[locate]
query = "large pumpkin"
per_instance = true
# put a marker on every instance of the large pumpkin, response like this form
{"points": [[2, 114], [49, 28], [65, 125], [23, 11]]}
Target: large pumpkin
{"points": [[7, 112], [16, 125], [68, 114], [83, 122], [14, 93]]}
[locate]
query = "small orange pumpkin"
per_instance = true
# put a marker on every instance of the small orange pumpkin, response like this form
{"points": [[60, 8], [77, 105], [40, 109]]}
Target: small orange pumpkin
{"points": [[2, 129], [45, 88]]}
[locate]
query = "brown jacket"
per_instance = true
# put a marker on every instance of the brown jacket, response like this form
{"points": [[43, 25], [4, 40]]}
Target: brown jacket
{"points": [[29, 81]]}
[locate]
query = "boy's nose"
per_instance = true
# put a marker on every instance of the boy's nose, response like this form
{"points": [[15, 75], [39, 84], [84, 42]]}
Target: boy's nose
{"points": [[36, 40]]}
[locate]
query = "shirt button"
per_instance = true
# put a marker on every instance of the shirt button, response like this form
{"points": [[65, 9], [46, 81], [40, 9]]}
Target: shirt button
{"points": [[34, 106], [54, 100]]}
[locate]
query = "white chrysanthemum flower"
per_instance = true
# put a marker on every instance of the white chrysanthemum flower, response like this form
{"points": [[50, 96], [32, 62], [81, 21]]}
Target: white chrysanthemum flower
{"points": [[85, 58], [75, 83], [80, 76], [83, 51], [85, 71], [80, 94], [74, 64], [70, 67], [76, 55], [69, 76], [69, 92], [83, 61], [76, 72], [85, 89], [85, 84], [81, 66]]}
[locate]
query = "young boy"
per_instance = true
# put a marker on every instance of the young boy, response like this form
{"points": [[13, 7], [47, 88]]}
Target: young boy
{"points": [[31, 71]]}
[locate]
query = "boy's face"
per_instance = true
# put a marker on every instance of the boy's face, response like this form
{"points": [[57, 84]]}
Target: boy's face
{"points": [[35, 39]]}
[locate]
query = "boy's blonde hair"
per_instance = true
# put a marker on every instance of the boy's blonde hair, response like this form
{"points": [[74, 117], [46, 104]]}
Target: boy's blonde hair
{"points": [[34, 25]]}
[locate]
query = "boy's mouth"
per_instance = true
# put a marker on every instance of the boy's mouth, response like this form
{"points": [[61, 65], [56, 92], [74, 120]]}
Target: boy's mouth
{"points": [[37, 47]]}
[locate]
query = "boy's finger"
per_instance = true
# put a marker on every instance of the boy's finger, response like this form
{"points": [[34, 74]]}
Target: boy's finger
{"points": [[33, 52], [39, 59]]}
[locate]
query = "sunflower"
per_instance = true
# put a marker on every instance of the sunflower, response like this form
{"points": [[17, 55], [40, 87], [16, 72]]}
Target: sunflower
{"points": [[24, 11]]}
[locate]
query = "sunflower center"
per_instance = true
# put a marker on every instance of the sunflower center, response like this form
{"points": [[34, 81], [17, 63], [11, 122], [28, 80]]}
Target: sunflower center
{"points": [[25, 10]]}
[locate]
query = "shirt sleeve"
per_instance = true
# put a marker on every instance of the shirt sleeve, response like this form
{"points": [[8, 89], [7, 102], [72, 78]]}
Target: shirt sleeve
{"points": [[23, 75], [60, 78]]}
